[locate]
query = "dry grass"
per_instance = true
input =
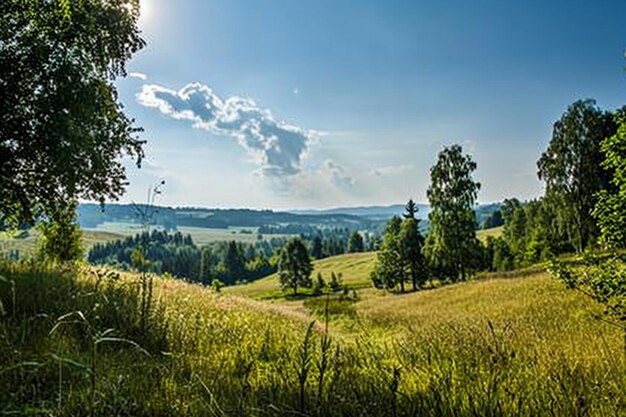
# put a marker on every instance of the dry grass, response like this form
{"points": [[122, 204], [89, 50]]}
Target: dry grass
{"points": [[493, 232]]}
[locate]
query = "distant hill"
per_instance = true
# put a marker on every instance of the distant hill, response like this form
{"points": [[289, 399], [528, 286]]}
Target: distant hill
{"points": [[92, 215], [383, 213], [369, 212], [370, 218]]}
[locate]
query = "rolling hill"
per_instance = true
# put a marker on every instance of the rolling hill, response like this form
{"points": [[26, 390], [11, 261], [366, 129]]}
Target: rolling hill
{"points": [[497, 346]]}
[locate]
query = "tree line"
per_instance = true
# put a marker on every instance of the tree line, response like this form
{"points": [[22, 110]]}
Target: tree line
{"points": [[582, 208], [228, 262]]}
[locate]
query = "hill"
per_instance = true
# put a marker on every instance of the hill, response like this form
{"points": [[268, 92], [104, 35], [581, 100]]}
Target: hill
{"points": [[26, 241], [354, 268], [92, 216], [498, 346], [495, 232]]}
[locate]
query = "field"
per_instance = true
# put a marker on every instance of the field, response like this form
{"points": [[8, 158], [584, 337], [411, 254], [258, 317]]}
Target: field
{"points": [[354, 267], [495, 232], [506, 344], [200, 235], [26, 241]]}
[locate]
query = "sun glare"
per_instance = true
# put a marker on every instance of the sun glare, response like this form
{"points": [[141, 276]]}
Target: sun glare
{"points": [[145, 9]]}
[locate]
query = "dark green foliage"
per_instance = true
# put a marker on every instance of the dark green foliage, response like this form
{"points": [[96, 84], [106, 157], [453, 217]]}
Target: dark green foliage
{"points": [[389, 270], [411, 246], [335, 283], [316, 249], [400, 257], [294, 266], [355, 244], [451, 243], [411, 209], [531, 232], [234, 263], [571, 168], [498, 255], [63, 130], [610, 210], [60, 235], [177, 254], [493, 220], [206, 262]]}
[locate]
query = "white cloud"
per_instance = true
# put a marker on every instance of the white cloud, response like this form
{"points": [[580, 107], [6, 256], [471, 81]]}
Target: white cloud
{"points": [[392, 170], [277, 147], [139, 75], [337, 175]]}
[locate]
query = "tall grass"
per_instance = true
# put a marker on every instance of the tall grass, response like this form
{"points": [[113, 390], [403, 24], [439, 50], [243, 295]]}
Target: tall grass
{"points": [[515, 347]]}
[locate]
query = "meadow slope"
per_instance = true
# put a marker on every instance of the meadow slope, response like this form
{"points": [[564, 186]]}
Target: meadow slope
{"points": [[506, 344]]}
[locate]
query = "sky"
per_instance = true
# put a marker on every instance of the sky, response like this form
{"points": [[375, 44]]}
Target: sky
{"points": [[285, 104]]}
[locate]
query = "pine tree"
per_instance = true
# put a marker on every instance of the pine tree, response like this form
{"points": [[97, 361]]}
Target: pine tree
{"points": [[411, 209], [294, 266], [355, 244], [411, 245]]}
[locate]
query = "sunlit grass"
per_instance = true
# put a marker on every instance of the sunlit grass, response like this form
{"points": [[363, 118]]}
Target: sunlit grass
{"points": [[501, 345], [354, 268]]}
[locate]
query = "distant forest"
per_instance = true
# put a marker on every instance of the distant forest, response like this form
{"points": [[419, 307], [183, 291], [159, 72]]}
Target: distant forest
{"points": [[269, 222], [232, 262]]}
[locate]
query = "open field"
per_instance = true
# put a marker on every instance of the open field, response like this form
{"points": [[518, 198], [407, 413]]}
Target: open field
{"points": [[200, 235], [354, 267], [493, 232], [27, 241], [498, 346]]}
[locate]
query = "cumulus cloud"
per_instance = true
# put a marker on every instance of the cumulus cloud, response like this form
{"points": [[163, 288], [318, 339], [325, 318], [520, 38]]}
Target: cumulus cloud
{"points": [[139, 75], [277, 147]]}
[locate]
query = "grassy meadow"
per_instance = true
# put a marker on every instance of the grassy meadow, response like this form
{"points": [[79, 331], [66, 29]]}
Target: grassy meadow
{"points": [[27, 241], [494, 232], [354, 267], [200, 235], [71, 343]]}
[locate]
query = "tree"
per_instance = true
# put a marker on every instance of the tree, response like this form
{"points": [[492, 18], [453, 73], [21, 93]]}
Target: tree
{"points": [[206, 273], [355, 244], [493, 220], [294, 266], [411, 244], [451, 242], [390, 267], [610, 209], [411, 209], [62, 129], [61, 239], [571, 168], [316, 250], [234, 264]]}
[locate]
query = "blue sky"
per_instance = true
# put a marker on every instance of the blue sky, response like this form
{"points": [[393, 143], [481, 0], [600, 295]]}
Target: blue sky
{"points": [[309, 104]]}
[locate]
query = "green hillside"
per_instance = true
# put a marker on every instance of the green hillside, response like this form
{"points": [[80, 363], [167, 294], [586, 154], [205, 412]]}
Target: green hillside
{"points": [[493, 232], [27, 241], [354, 267], [498, 346]]}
